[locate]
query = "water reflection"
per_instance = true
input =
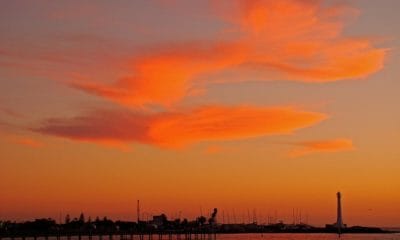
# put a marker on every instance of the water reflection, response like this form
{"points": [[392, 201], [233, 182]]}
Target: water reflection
{"points": [[269, 236]]}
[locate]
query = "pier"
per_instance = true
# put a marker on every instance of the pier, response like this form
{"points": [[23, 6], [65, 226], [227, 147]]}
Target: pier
{"points": [[192, 235]]}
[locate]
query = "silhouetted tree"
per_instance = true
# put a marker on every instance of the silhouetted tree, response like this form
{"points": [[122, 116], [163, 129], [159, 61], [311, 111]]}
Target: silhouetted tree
{"points": [[82, 218], [67, 219], [184, 222], [201, 220]]}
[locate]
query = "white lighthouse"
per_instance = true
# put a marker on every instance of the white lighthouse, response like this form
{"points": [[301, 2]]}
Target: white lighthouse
{"points": [[339, 222]]}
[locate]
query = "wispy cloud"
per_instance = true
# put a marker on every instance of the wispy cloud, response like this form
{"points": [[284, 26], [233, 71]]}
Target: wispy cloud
{"points": [[27, 141], [179, 129], [288, 40], [166, 75], [276, 40], [322, 146], [11, 113]]}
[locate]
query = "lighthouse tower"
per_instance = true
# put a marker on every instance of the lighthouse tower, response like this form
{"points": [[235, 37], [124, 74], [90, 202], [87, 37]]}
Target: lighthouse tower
{"points": [[339, 222]]}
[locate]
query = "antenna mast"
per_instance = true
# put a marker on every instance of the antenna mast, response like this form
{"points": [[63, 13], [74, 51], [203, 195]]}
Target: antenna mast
{"points": [[138, 211]]}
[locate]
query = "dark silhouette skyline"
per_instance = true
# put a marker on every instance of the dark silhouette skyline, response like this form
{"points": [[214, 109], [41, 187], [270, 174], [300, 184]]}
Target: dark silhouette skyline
{"points": [[159, 224]]}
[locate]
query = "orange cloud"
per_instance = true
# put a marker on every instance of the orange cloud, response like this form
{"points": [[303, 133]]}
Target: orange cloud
{"points": [[29, 142], [278, 40], [323, 146], [178, 129], [226, 123], [303, 41], [166, 77]]}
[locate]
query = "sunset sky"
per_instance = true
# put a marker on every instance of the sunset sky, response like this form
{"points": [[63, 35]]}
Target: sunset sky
{"points": [[189, 105]]}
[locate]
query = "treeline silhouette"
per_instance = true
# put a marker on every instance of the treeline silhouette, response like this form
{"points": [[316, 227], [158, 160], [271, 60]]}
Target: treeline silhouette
{"points": [[160, 224], [104, 226]]}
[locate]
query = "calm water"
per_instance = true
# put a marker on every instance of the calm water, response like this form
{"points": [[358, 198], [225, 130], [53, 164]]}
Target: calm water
{"points": [[295, 236], [274, 236]]}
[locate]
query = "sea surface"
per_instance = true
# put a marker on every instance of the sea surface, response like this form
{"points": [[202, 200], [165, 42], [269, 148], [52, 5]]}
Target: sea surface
{"points": [[268, 236], [308, 236]]}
